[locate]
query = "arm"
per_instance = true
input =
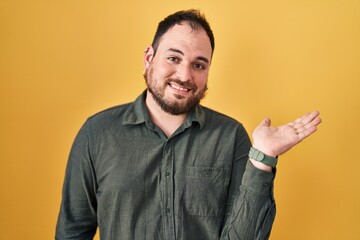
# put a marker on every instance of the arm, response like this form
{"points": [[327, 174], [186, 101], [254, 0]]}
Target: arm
{"points": [[252, 212], [250, 204], [77, 217], [251, 209]]}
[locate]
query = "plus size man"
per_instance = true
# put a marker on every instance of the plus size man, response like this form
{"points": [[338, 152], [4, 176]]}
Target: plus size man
{"points": [[166, 167]]}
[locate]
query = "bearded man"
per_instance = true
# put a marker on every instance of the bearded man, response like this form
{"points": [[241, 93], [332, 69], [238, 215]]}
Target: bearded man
{"points": [[165, 167]]}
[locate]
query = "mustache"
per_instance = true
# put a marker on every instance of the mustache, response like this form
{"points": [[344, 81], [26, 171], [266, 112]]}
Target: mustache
{"points": [[181, 83]]}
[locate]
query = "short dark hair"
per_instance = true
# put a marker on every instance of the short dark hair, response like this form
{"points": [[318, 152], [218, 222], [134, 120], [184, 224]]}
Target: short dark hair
{"points": [[193, 17]]}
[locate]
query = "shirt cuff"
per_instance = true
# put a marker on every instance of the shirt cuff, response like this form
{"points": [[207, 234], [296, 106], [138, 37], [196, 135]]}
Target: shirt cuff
{"points": [[258, 181]]}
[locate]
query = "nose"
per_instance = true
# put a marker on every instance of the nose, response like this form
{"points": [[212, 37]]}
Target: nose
{"points": [[183, 72]]}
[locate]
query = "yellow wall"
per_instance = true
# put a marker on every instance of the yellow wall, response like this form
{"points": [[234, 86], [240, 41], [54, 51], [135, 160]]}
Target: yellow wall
{"points": [[61, 61]]}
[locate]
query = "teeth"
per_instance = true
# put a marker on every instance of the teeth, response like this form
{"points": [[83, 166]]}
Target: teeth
{"points": [[178, 87]]}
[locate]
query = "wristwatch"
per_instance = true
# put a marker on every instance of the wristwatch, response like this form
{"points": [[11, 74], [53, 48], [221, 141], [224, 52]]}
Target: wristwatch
{"points": [[261, 157]]}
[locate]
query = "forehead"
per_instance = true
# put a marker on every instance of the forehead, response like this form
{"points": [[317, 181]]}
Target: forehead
{"points": [[184, 37]]}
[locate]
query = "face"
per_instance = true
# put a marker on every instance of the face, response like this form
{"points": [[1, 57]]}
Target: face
{"points": [[176, 76]]}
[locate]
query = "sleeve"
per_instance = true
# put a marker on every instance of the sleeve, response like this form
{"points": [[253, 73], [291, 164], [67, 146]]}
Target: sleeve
{"points": [[251, 209], [77, 217]]}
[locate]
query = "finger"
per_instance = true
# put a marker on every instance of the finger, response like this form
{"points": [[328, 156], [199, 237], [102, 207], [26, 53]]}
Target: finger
{"points": [[309, 125], [304, 120], [310, 117], [301, 119], [298, 120], [316, 121], [307, 132], [266, 122]]}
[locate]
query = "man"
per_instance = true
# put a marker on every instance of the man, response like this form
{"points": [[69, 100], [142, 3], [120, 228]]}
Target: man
{"points": [[165, 167]]}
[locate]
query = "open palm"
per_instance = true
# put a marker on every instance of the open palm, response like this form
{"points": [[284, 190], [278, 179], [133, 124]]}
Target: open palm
{"points": [[274, 141]]}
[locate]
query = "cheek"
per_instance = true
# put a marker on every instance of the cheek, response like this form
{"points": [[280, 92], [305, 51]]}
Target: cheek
{"points": [[201, 81], [163, 70]]}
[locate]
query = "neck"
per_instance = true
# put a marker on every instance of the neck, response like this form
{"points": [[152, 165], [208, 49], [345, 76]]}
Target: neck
{"points": [[165, 121]]}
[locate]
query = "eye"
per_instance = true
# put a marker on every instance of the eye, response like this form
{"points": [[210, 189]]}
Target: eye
{"points": [[173, 59], [199, 66]]}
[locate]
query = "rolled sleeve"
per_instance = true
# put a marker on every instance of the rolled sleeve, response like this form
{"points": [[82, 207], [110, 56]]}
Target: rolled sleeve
{"points": [[258, 181], [254, 209]]}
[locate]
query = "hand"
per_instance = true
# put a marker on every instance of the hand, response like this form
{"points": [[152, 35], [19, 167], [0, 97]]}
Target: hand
{"points": [[274, 141]]}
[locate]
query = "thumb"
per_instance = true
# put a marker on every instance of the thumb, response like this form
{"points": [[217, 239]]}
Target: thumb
{"points": [[266, 122]]}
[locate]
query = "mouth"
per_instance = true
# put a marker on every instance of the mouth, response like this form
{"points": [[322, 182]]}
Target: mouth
{"points": [[178, 87]]}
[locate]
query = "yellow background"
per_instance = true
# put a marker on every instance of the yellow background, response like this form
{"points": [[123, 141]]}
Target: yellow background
{"points": [[61, 61]]}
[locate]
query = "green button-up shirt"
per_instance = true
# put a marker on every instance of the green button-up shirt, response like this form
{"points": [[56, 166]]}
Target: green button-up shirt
{"points": [[127, 178]]}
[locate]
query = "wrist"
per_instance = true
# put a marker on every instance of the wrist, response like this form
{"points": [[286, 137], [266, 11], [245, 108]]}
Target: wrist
{"points": [[261, 157], [260, 165], [265, 150]]}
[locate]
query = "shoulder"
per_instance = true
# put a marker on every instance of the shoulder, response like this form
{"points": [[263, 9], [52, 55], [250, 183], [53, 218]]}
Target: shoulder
{"points": [[227, 129], [108, 117], [111, 112]]}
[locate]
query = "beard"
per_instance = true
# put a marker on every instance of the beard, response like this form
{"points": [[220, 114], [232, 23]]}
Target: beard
{"points": [[173, 107]]}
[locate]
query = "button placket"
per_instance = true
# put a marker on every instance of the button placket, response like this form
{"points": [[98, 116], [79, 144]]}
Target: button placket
{"points": [[168, 188]]}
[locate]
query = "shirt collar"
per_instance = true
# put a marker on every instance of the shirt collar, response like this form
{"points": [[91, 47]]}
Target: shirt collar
{"points": [[137, 114], [196, 115]]}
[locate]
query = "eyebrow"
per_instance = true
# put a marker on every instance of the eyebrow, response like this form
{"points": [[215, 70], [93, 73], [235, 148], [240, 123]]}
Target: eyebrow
{"points": [[201, 58]]}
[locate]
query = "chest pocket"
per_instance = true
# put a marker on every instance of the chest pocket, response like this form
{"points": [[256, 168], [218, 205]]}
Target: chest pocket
{"points": [[206, 191]]}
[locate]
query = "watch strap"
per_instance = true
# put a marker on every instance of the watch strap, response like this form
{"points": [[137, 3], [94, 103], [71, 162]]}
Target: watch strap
{"points": [[262, 157]]}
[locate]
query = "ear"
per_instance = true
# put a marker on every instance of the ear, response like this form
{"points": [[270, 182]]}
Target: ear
{"points": [[148, 56]]}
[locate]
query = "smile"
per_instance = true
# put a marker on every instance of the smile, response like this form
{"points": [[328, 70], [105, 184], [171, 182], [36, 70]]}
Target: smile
{"points": [[178, 87]]}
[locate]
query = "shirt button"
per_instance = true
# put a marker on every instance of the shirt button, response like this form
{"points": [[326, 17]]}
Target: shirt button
{"points": [[167, 210], [167, 174], [207, 171]]}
